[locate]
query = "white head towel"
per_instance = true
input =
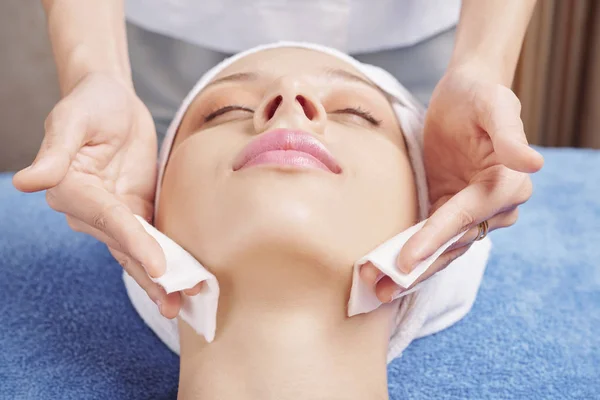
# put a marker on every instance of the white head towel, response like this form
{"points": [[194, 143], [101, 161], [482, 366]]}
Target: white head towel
{"points": [[429, 307]]}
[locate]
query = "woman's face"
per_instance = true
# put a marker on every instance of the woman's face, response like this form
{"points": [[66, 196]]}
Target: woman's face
{"points": [[225, 202]]}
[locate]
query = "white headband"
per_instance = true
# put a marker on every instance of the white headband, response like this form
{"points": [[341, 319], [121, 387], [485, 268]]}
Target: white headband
{"points": [[409, 111], [442, 300]]}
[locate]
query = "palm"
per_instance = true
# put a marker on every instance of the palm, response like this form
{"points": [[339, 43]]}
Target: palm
{"points": [[457, 151], [119, 154]]}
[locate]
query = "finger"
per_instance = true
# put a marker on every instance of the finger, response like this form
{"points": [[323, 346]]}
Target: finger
{"points": [[478, 201], [195, 290], [386, 289], [80, 226], [101, 210], [442, 262], [500, 116], [168, 304], [370, 274], [65, 129], [502, 220], [453, 252]]}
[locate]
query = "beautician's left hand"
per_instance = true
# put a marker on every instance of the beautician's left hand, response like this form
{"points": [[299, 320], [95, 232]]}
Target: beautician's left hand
{"points": [[477, 161]]}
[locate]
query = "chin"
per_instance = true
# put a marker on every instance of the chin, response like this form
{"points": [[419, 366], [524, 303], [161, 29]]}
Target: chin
{"points": [[291, 230], [246, 221]]}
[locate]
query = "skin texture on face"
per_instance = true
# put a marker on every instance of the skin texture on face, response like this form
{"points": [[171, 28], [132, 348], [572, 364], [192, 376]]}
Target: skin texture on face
{"points": [[282, 240], [221, 216]]}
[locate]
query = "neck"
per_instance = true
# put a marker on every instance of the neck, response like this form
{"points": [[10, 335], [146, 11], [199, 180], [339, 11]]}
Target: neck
{"points": [[287, 336]]}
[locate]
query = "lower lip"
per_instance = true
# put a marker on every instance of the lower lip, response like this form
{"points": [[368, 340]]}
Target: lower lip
{"points": [[290, 158]]}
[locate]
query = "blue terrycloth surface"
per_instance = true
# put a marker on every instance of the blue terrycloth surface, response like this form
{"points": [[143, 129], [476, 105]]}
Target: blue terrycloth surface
{"points": [[534, 332]]}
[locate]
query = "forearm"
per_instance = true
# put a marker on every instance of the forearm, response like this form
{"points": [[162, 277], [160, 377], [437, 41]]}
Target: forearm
{"points": [[490, 33], [87, 36]]}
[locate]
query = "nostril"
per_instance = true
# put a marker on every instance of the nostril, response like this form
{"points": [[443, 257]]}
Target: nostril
{"points": [[307, 106], [272, 107]]}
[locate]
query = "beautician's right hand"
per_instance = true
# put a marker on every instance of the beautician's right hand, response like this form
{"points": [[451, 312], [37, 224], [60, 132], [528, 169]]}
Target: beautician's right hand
{"points": [[97, 163]]}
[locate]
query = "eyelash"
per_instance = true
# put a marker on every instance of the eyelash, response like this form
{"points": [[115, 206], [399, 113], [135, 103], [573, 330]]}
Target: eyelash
{"points": [[358, 111], [366, 115], [214, 114]]}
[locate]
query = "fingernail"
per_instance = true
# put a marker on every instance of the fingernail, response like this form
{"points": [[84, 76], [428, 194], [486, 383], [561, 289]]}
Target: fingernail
{"points": [[421, 252], [159, 305], [148, 272], [405, 269]]}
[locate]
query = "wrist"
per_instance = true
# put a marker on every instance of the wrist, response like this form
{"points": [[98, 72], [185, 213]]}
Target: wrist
{"points": [[492, 69], [490, 35], [88, 37], [82, 63]]}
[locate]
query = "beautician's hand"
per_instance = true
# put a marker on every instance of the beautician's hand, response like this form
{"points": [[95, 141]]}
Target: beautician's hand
{"points": [[98, 164], [477, 161]]}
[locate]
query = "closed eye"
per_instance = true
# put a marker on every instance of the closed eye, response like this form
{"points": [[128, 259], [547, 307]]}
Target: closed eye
{"points": [[366, 115], [223, 110]]}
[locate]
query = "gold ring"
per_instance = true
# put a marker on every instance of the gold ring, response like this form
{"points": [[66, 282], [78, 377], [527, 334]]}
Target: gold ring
{"points": [[483, 230]]}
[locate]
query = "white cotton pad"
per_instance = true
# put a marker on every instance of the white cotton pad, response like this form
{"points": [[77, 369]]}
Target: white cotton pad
{"points": [[362, 296], [184, 272]]}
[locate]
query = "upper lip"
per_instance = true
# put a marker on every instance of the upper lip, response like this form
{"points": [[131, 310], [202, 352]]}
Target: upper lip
{"points": [[285, 139]]}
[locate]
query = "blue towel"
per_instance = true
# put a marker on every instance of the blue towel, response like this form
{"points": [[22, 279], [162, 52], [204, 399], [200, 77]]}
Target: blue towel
{"points": [[533, 333]]}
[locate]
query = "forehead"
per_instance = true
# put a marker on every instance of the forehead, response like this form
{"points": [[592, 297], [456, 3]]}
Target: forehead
{"points": [[286, 61]]}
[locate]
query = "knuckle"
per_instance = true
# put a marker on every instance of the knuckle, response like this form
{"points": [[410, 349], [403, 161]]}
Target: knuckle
{"points": [[124, 262], [525, 190], [464, 218], [99, 220], [512, 218], [73, 224], [52, 199], [102, 221]]}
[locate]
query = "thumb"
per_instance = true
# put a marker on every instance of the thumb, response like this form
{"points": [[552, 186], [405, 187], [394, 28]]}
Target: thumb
{"points": [[501, 119], [65, 129]]}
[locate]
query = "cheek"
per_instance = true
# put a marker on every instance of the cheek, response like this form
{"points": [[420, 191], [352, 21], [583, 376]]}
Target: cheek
{"points": [[189, 195], [381, 190]]}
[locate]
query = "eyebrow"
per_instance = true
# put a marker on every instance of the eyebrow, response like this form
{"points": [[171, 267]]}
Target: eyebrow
{"points": [[348, 76], [239, 77], [328, 72]]}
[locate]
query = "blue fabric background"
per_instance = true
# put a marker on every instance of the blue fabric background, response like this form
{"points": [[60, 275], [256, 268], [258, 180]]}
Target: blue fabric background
{"points": [[68, 331]]}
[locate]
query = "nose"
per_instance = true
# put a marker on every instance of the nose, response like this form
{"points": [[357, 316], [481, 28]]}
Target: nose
{"points": [[293, 104]]}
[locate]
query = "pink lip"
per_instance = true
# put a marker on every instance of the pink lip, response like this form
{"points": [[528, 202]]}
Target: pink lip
{"points": [[287, 147]]}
